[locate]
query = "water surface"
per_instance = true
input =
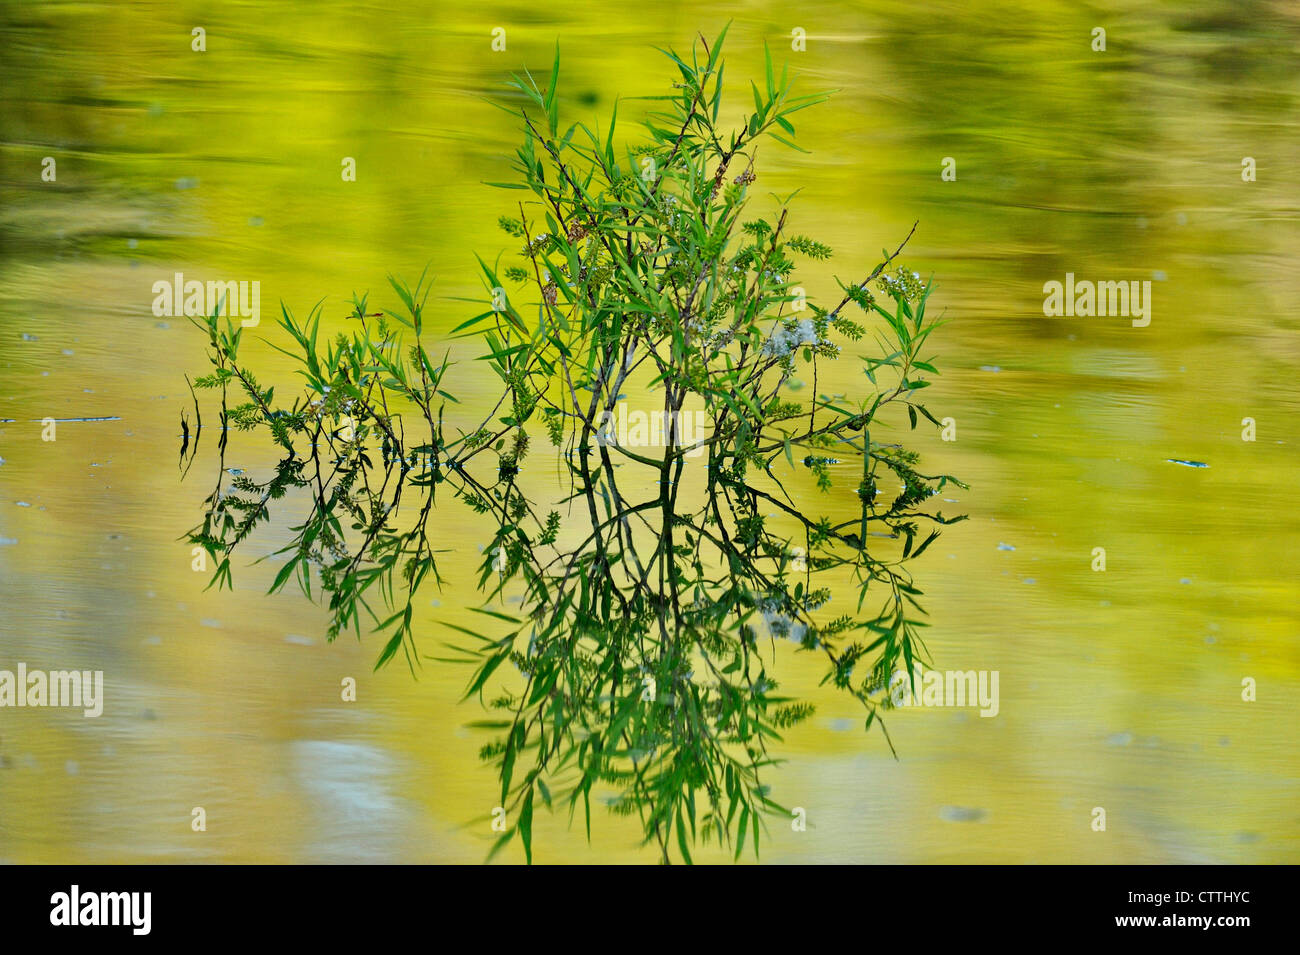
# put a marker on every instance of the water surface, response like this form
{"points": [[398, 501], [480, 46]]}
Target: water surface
{"points": [[1119, 689]]}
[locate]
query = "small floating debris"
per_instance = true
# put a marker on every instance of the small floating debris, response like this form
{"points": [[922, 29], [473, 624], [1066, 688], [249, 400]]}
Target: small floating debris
{"points": [[1119, 739], [298, 639], [1002, 546], [961, 814], [1187, 464], [22, 503], [992, 368], [8, 541], [28, 337]]}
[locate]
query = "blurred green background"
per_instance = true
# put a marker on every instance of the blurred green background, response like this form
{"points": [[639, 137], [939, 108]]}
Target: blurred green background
{"points": [[1119, 689]]}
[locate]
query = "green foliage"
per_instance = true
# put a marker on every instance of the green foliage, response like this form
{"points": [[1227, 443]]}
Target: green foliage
{"points": [[638, 668]]}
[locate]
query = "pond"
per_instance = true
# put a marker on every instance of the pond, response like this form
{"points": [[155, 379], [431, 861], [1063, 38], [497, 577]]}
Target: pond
{"points": [[1164, 439]]}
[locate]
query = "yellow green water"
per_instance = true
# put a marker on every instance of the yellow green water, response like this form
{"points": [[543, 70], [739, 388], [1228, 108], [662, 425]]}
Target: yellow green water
{"points": [[1119, 689]]}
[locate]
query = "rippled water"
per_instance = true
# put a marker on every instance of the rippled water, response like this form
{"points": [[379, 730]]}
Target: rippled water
{"points": [[1119, 689]]}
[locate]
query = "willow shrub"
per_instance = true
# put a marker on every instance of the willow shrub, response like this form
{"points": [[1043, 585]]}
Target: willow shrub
{"points": [[650, 583]]}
